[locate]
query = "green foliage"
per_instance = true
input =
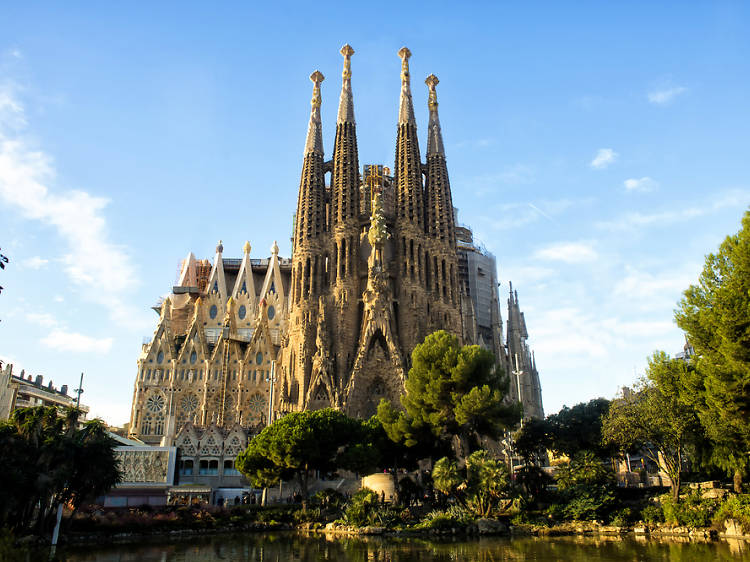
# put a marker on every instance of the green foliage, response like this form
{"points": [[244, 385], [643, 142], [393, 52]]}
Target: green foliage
{"points": [[487, 482], [622, 517], [586, 489], [479, 486], [533, 481], [446, 476], [300, 442], [48, 459], [568, 432], [365, 509], [328, 498], [585, 469], [691, 511], [657, 418], [734, 507], [454, 517], [715, 315], [450, 391], [652, 514]]}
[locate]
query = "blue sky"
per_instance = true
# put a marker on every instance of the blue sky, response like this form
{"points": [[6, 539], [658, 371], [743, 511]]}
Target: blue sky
{"points": [[600, 150]]}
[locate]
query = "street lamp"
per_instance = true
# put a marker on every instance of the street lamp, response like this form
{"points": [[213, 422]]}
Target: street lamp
{"points": [[271, 381]]}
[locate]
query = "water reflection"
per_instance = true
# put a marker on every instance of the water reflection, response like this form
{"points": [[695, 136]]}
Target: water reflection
{"points": [[315, 548]]}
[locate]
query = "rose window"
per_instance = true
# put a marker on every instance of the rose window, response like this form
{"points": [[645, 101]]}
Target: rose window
{"points": [[257, 403], [189, 403], [155, 403]]}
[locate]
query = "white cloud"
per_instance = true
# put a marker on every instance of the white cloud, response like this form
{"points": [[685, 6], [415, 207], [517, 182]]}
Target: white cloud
{"points": [[604, 157], [58, 298], [666, 95], [643, 285], [74, 342], [567, 252], [41, 318], [644, 184], [632, 221], [101, 268], [34, 262]]}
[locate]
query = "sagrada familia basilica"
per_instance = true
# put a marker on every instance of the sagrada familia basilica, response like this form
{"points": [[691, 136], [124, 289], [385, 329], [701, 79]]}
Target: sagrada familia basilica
{"points": [[378, 263]]}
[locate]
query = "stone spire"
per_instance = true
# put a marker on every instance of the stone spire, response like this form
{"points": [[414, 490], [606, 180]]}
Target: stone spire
{"points": [[438, 201], [311, 201], [345, 175], [434, 135], [346, 102], [314, 142], [406, 106], [408, 170]]}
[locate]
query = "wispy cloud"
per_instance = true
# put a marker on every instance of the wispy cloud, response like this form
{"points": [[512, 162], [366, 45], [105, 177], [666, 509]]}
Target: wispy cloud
{"points": [[567, 252], [101, 268], [644, 184], [665, 95], [515, 174], [515, 215], [42, 319], [34, 262], [604, 157], [632, 221], [73, 342], [645, 285]]}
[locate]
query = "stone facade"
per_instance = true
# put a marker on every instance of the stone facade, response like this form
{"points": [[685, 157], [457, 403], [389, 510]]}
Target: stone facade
{"points": [[378, 263]]}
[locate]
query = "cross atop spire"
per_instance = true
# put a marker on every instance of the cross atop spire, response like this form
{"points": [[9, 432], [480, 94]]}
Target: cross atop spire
{"points": [[346, 103], [406, 107], [434, 135], [314, 142]]}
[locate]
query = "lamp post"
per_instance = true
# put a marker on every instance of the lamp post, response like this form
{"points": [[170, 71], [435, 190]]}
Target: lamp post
{"points": [[518, 372], [271, 381]]}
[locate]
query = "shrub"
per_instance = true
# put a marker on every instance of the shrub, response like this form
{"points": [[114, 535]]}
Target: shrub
{"points": [[622, 517], [453, 517], [735, 507], [652, 514], [691, 511], [360, 508]]}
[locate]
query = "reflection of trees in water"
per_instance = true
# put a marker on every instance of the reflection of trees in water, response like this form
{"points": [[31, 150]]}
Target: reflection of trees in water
{"points": [[318, 547]]}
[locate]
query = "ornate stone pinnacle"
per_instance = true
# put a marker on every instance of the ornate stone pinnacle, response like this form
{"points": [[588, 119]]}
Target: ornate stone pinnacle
{"points": [[431, 82], [246, 247], [404, 53], [275, 248], [219, 247], [347, 51], [316, 77]]}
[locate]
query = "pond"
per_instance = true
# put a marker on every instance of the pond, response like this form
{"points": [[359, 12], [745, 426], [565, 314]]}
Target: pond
{"points": [[283, 547]]}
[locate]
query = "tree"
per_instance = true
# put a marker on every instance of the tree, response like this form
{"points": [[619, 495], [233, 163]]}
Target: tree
{"points": [[579, 429], [568, 432], [301, 442], [715, 315], [656, 418], [451, 392], [47, 460], [479, 485]]}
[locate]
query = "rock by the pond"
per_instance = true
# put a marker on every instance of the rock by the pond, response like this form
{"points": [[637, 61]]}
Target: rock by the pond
{"points": [[733, 528], [490, 527]]}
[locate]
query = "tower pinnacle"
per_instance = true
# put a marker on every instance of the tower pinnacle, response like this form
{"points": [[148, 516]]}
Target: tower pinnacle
{"points": [[434, 135], [346, 103], [406, 107], [314, 142]]}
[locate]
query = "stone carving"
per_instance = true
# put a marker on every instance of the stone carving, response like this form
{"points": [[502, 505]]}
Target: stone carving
{"points": [[143, 466], [322, 385]]}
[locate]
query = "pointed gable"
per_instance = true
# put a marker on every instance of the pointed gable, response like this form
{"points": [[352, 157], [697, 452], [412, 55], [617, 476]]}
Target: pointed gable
{"points": [[188, 276], [216, 281]]}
